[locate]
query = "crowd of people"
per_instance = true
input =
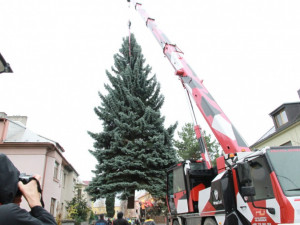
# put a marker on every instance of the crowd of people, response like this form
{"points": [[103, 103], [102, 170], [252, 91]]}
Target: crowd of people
{"points": [[121, 221]]}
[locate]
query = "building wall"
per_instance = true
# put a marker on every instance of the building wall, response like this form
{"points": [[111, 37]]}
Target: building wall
{"points": [[82, 186], [99, 210], [99, 207], [34, 154], [291, 134], [51, 187], [38, 161], [67, 189], [29, 161]]}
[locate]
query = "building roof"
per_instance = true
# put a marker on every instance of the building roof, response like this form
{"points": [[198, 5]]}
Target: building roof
{"points": [[86, 182], [273, 131], [283, 106], [17, 132]]}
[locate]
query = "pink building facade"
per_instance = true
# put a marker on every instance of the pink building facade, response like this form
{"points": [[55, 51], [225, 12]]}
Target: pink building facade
{"points": [[34, 154]]}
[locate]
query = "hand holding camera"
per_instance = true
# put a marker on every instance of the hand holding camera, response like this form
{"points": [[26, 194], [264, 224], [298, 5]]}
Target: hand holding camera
{"points": [[14, 186], [30, 188]]}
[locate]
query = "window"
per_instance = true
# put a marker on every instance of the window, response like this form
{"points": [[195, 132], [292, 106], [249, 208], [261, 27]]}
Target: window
{"points": [[178, 180], [285, 162], [79, 192], [64, 177], [171, 192], [52, 206], [74, 183], [176, 188], [56, 166], [281, 118], [261, 179]]}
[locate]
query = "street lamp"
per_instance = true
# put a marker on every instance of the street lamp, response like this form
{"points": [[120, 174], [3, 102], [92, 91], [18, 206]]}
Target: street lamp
{"points": [[4, 66]]}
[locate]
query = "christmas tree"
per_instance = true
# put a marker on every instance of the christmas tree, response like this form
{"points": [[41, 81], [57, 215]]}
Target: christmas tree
{"points": [[134, 149]]}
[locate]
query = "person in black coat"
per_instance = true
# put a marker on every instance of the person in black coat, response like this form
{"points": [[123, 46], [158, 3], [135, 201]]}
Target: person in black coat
{"points": [[10, 211], [120, 220]]}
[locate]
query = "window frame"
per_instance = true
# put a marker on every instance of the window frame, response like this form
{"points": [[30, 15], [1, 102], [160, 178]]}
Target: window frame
{"points": [[258, 182], [281, 118], [56, 170], [52, 206]]}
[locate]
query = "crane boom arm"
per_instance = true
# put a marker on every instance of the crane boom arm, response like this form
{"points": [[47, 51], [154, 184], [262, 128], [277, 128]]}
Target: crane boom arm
{"points": [[228, 137]]}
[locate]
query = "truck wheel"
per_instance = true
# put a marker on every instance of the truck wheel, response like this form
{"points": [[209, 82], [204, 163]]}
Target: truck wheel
{"points": [[175, 222], [210, 221]]}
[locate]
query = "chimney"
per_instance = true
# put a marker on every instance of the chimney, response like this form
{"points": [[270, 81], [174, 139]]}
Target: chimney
{"points": [[22, 119], [299, 93], [3, 128], [3, 115]]}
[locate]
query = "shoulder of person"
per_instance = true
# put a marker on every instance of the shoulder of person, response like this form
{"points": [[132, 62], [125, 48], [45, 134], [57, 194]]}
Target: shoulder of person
{"points": [[6, 211], [101, 222], [12, 214], [12, 209]]}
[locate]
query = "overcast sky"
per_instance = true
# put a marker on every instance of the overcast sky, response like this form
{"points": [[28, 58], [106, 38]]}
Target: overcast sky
{"points": [[247, 53]]}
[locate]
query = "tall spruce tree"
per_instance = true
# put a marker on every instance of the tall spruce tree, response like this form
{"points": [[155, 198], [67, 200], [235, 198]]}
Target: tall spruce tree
{"points": [[134, 149]]}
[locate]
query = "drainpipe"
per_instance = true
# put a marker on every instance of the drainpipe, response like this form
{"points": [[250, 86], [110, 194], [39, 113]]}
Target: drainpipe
{"points": [[45, 167]]}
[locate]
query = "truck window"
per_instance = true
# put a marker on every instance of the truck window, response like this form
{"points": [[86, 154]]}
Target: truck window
{"points": [[178, 180], [261, 180], [170, 192], [170, 184], [176, 184], [285, 163]]}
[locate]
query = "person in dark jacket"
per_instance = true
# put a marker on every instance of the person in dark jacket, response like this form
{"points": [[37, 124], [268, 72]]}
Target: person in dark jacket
{"points": [[120, 220], [10, 211], [149, 221], [101, 221]]}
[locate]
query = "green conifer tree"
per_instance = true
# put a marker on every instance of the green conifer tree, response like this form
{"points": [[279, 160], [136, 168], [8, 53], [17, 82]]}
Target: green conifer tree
{"points": [[188, 145], [110, 205], [134, 149]]}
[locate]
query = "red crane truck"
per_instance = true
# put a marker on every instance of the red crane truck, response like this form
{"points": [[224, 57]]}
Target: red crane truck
{"points": [[258, 188]]}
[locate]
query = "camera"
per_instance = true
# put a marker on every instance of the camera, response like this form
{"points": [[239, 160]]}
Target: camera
{"points": [[25, 179]]}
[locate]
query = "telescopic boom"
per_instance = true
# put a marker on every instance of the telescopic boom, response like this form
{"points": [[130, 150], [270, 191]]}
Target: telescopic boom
{"points": [[228, 137]]}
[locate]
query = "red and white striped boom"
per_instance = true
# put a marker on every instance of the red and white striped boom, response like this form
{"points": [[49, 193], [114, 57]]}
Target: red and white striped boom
{"points": [[228, 137]]}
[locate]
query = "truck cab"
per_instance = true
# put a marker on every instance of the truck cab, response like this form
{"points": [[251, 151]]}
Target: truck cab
{"points": [[258, 188], [268, 186]]}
